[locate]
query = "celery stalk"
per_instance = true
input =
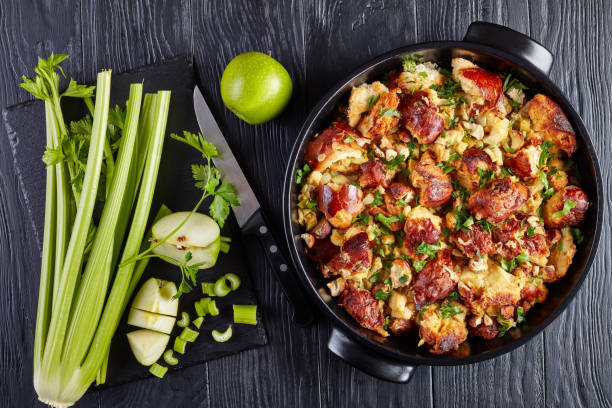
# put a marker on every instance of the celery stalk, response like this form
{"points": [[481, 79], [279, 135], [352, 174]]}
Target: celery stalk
{"points": [[91, 295], [85, 375], [47, 275], [50, 388], [51, 369]]}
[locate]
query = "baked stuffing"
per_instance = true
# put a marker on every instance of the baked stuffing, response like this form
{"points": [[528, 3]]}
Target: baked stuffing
{"points": [[442, 202]]}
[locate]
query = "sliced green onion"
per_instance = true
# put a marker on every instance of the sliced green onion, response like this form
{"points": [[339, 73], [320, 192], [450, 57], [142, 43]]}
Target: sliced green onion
{"points": [[226, 239], [245, 314], [221, 288], [212, 308], [179, 345], [169, 357], [234, 280], [208, 288], [198, 322], [188, 334], [222, 337], [158, 370], [184, 322]]}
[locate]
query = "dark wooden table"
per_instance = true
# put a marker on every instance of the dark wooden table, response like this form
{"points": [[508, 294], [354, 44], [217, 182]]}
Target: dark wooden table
{"points": [[570, 364]]}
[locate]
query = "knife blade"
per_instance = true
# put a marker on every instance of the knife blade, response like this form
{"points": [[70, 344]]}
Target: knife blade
{"points": [[226, 162], [248, 214]]}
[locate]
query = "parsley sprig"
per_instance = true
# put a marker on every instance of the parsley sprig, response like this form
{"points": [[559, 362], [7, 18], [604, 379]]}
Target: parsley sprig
{"points": [[208, 179]]}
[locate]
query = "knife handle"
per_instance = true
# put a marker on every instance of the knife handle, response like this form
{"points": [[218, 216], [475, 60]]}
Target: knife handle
{"points": [[257, 226]]}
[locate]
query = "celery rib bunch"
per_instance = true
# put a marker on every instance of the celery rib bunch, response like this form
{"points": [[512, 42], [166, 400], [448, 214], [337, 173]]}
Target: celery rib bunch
{"points": [[85, 281]]}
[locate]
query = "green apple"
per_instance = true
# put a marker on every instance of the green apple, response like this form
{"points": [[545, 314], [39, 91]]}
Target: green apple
{"points": [[152, 321], [147, 345], [155, 296], [255, 87], [200, 235]]}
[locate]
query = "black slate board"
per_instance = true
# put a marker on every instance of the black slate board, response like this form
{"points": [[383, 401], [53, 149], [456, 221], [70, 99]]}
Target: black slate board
{"points": [[25, 126]]}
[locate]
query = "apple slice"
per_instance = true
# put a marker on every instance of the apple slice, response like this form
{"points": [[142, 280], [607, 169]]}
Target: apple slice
{"points": [[155, 296], [147, 345], [152, 321], [200, 235], [198, 231], [205, 257]]}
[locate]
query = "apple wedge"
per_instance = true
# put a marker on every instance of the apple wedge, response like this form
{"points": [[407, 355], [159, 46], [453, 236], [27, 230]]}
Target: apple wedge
{"points": [[155, 296], [152, 321], [200, 235], [147, 345]]}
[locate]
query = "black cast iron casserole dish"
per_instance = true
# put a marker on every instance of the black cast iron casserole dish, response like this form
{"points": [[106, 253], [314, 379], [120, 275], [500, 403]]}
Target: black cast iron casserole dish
{"points": [[497, 49]]}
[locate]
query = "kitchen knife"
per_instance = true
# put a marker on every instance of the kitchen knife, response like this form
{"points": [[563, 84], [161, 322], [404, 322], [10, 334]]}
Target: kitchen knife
{"points": [[248, 214]]}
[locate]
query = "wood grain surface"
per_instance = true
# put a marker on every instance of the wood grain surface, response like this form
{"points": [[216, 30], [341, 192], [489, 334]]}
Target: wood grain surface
{"points": [[318, 42]]}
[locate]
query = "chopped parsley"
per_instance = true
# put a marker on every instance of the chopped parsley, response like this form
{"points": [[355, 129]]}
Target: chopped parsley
{"points": [[567, 206], [372, 100], [460, 191], [387, 221], [389, 112], [446, 167], [463, 221], [453, 122], [381, 295], [505, 172], [520, 314], [377, 198], [374, 278], [505, 325], [453, 296], [400, 202], [548, 190], [486, 225], [362, 219], [513, 263], [427, 249], [411, 62], [530, 231], [423, 74], [312, 205], [404, 278], [577, 234], [545, 155], [423, 310], [449, 90], [419, 265], [449, 310], [300, 174], [485, 176], [349, 139], [392, 164], [510, 83]]}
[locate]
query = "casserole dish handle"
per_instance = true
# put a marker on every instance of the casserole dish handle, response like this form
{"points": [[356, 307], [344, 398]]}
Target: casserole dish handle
{"points": [[517, 44], [365, 360]]}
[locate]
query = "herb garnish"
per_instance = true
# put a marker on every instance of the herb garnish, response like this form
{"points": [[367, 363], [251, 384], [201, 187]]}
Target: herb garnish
{"points": [[300, 174], [389, 112], [510, 82], [567, 206], [545, 155], [485, 176]]}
